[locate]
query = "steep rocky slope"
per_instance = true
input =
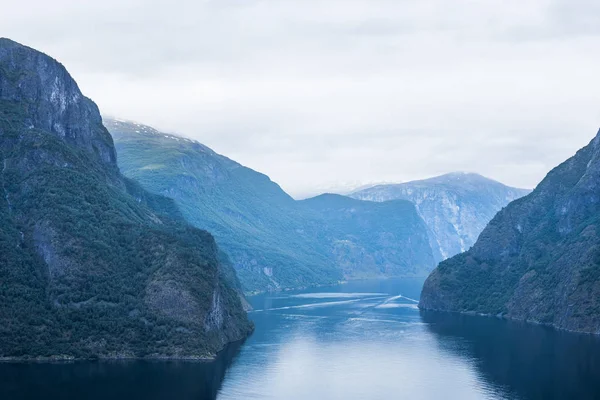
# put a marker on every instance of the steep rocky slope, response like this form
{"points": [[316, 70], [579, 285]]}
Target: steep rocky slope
{"points": [[274, 241], [538, 259], [92, 264], [456, 207]]}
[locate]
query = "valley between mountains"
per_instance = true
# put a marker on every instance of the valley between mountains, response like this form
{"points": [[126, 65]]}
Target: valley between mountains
{"points": [[121, 241], [276, 242]]}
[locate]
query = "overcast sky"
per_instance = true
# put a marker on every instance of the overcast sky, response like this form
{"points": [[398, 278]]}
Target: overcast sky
{"points": [[322, 94]]}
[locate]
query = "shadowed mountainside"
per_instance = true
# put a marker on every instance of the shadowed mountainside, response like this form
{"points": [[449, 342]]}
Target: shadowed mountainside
{"points": [[92, 264], [539, 258]]}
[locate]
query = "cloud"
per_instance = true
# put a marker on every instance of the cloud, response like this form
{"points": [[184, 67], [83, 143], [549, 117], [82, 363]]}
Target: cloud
{"points": [[315, 93]]}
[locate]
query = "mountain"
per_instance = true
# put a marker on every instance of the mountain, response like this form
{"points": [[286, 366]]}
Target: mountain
{"points": [[370, 239], [92, 264], [538, 259], [343, 188], [456, 206], [267, 236], [274, 241]]}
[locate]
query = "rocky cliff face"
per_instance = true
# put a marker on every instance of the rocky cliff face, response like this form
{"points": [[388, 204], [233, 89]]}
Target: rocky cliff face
{"points": [[538, 259], [53, 100], [92, 264], [456, 207]]}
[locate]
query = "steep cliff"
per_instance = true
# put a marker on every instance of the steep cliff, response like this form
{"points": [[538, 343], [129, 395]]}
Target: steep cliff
{"points": [[538, 259], [93, 265]]}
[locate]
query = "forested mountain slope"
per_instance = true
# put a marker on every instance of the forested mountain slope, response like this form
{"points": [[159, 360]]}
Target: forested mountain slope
{"points": [[92, 264], [538, 259]]}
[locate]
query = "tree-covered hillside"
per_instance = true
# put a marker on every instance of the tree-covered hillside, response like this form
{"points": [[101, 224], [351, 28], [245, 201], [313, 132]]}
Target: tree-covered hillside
{"points": [[92, 264], [538, 259]]}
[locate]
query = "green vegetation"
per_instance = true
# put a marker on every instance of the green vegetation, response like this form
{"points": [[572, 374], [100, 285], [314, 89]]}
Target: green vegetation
{"points": [[274, 241], [91, 264], [269, 239], [538, 259]]}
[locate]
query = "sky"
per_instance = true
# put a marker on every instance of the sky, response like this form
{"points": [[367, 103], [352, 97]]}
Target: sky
{"points": [[322, 95]]}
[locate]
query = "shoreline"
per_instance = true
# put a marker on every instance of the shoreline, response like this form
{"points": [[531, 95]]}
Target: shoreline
{"points": [[66, 359], [72, 359], [511, 319], [344, 282]]}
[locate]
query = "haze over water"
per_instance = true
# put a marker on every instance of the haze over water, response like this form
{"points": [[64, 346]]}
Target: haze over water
{"points": [[361, 340]]}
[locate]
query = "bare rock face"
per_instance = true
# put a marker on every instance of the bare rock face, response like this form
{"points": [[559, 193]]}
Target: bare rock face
{"points": [[92, 265], [53, 100], [539, 258], [456, 207]]}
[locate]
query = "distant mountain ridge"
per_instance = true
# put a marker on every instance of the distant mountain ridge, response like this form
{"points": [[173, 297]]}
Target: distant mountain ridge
{"points": [[456, 207], [538, 259], [274, 241], [342, 188]]}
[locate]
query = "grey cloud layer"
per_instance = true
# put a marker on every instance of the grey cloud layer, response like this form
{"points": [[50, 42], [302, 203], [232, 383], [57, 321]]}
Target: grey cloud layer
{"points": [[318, 92]]}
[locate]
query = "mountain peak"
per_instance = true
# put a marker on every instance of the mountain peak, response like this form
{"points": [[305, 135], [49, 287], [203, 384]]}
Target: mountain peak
{"points": [[50, 100], [447, 202], [122, 127], [6, 42], [457, 176], [465, 174]]}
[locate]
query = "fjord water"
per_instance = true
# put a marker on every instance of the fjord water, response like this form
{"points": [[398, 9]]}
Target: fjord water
{"points": [[362, 340]]}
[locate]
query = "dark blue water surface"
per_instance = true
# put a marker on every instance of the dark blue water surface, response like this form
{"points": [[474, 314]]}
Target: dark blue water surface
{"points": [[362, 340]]}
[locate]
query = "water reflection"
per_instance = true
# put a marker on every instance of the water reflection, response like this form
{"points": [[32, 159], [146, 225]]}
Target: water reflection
{"points": [[363, 340], [116, 379], [351, 342], [528, 361]]}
